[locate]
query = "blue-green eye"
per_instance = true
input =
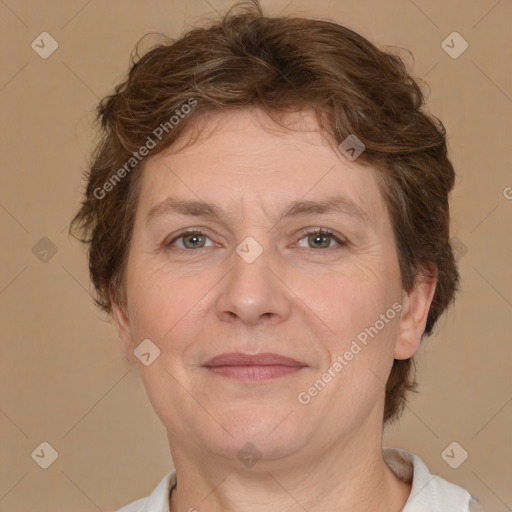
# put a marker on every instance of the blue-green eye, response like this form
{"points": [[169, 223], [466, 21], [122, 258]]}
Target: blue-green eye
{"points": [[195, 240], [192, 240], [321, 239]]}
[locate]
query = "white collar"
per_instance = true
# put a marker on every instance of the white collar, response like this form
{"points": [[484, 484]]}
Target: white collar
{"points": [[428, 492]]}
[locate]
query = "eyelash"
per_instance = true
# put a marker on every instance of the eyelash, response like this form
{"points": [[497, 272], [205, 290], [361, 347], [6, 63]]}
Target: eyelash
{"points": [[314, 231]]}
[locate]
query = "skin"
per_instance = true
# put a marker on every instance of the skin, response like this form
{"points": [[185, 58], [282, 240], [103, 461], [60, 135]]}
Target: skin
{"points": [[298, 299]]}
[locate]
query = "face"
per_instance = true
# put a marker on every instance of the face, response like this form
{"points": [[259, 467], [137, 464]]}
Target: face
{"points": [[290, 279]]}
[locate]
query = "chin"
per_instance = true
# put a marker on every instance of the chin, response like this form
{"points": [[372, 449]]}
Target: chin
{"points": [[261, 431]]}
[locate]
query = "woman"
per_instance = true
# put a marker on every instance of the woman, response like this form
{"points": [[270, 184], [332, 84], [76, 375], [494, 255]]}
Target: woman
{"points": [[268, 221]]}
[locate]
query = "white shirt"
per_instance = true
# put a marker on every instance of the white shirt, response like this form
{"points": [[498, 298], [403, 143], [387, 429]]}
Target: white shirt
{"points": [[429, 493]]}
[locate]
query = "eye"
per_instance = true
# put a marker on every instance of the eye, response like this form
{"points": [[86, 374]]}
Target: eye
{"points": [[319, 238], [192, 240]]}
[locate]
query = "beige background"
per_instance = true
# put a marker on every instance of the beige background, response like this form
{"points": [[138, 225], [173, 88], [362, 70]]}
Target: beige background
{"points": [[64, 380]]}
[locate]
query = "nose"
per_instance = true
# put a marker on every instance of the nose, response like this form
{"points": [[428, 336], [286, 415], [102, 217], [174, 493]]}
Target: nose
{"points": [[253, 291]]}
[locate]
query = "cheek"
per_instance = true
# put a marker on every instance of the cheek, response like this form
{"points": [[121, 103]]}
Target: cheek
{"points": [[357, 294], [360, 306], [152, 299], [164, 305]]}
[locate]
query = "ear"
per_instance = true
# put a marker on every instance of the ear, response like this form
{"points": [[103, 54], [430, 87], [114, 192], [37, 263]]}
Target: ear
{"points": [[122, 323], [415, 308]]}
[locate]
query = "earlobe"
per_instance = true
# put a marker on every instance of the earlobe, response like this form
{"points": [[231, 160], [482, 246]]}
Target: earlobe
{"points": [[416, 305]]}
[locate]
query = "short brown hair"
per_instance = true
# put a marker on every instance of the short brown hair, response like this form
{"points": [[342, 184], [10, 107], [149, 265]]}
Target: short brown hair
{"points": [[281, 64]]}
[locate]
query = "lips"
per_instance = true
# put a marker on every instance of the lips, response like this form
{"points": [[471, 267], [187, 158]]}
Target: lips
{"points": [[253, 367], [241, 359]]}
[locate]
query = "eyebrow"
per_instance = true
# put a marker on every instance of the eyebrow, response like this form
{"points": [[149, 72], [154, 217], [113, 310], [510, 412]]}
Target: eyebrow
{"points": [[336, 204]]}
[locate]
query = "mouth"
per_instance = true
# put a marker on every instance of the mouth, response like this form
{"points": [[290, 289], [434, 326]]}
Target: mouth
{"points": [[253, 368]]}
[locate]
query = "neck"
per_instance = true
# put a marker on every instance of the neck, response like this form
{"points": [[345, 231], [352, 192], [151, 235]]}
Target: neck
{"points": [[351, 477]]}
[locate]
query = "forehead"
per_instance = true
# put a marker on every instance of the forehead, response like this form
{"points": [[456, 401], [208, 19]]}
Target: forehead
{"points": [[233, 156], [255, 129]]}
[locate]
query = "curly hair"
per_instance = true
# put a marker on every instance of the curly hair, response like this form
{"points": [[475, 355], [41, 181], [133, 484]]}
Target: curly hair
{"points": [[279, 64]]}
